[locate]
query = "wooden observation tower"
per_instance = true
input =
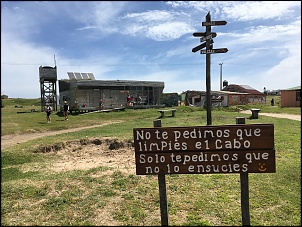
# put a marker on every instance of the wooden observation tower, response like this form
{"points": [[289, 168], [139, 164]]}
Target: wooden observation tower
{"points": [[48, 86]]}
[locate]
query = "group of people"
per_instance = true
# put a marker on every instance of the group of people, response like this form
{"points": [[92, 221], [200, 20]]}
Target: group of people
{"points": [[48, 111], [130, 101]]}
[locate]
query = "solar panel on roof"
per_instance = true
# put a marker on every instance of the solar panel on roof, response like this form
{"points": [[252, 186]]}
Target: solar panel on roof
{"points": [[78, 76], [85, 76], [91, 76], [71, 75]]}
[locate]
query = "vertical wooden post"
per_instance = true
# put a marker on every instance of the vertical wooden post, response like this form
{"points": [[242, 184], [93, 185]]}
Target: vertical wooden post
{"points": [[208, 73], [162, 189], [244, 183]]}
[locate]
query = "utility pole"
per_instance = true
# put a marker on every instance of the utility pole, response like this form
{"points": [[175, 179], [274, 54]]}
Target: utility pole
{"points": [[220, 76]]}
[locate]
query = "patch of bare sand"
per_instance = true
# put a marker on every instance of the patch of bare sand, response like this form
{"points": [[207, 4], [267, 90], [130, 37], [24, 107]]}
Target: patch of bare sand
{"points": [[77, 156]]}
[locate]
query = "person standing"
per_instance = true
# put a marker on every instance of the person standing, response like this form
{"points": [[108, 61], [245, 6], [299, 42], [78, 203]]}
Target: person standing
{"points": [[66, 108], [138, 99], [48, 111], [101, 104], [75, 105], [129, 100]]}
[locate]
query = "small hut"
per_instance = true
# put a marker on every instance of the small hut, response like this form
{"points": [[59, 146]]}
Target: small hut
{"points": [[291, 97]]}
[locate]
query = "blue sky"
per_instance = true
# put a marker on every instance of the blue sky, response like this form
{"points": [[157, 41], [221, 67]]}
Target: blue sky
{"points": [[150, 41]]}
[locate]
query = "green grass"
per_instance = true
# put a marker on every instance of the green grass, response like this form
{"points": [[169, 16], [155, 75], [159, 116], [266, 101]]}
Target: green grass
{"points": [[31, 194]]}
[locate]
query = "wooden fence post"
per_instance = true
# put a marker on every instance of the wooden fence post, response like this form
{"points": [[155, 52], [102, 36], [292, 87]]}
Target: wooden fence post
{"points": [[244, 183], [162, 189]]}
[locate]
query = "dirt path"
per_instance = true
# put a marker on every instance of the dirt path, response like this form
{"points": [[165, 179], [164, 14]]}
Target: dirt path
{"points": [[11, 140], [288, 116]]}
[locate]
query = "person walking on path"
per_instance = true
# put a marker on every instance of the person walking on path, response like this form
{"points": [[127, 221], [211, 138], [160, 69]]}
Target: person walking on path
{"points": [[48, 111], [66, 108]]}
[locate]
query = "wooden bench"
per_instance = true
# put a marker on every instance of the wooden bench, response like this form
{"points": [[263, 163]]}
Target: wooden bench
{"points": [[83, 109], [119, 108], [255, 113], [106, 110], [162, 112]]}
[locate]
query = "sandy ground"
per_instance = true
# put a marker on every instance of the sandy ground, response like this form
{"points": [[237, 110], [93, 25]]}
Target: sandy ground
{"points": [[77, 156], [289, 116]]}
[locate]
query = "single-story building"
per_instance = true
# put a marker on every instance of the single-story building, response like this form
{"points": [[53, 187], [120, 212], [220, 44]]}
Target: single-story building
{"points": [[231, 95], [248, 95], [87, 93], [3, 96], [291, 97]]}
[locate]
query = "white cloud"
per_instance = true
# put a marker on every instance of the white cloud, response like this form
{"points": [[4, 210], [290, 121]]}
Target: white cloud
{"points": [[253, 10], [287, 73], [168, 31], [157, 25], [150, 16], [241, 10]]}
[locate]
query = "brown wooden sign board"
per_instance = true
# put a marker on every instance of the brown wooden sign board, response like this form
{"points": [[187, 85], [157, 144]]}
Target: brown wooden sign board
{"points": [[201, 34], [237, 148], [214, 23], [212, 35], [214, 51], [204, 138], [220, 162], [201, 46]]}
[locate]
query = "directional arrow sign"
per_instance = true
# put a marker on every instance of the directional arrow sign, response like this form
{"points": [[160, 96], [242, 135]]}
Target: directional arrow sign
{"points": [[214, 23], [214, 51], [212, 35], [202, 34], [199, 47]]}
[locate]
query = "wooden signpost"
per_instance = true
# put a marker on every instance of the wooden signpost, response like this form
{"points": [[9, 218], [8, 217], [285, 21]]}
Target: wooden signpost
{"points": [[208, 37]]}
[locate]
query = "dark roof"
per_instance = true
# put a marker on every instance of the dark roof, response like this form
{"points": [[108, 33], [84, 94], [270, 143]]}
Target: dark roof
{"points": [[115, 83], [243, 89]]}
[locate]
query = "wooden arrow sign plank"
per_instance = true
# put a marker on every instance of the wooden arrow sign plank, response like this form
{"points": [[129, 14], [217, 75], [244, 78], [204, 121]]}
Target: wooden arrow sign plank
{"points": [[199, 34], [202, 34], [201, 46], [212, 35], [214, 51], [214, 23]]}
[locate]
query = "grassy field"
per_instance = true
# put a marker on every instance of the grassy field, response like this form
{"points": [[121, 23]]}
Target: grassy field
{"points": [[90, 197]]}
